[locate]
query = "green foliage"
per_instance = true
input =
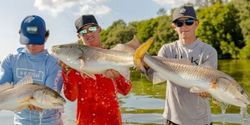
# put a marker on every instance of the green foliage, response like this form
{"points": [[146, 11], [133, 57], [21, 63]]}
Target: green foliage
{"points": [[164, 33], [229, 50], [245, 52], [146, 29], [118, 32], [243, 6], [219, 27]]}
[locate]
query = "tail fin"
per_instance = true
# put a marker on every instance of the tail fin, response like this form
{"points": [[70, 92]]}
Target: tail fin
{"points": [[134, 43], [139, 54], [130, 46]]}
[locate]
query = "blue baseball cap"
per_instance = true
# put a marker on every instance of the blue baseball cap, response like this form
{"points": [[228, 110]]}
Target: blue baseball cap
{"points": [[33, 30]]}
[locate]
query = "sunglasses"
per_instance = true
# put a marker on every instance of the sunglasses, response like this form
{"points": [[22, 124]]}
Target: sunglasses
{"points": [[85, 31], [188, 22]]}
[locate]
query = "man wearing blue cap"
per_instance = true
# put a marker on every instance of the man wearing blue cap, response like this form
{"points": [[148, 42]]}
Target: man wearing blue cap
{"points": [[35, 61], [183, 107]]}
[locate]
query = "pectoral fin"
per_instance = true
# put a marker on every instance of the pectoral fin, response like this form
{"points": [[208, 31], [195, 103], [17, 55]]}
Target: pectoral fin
{"points": [[125, 72], [216, 102], [24, 100], [157, 79], [82, 63], [20, 108], [213, 84], [88, 74]]}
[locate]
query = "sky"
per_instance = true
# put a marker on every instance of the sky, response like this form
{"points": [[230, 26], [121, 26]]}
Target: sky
{"points": [[59, 16]]}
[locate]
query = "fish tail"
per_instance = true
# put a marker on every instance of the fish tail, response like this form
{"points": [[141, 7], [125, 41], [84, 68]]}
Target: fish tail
{"points": [[139, 54], [134, 43]]}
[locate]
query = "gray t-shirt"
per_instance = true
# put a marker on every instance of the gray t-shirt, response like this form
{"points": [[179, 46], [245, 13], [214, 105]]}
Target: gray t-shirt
{"points": [[181, 106]]}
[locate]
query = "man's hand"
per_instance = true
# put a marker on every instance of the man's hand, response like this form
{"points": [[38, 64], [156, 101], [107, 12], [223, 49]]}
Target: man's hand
{"points": [[113, 74], [204, 94], [32, 107]]}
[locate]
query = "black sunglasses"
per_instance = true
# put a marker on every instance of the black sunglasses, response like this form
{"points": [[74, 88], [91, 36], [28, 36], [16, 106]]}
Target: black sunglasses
{"points": [[188, 22]]}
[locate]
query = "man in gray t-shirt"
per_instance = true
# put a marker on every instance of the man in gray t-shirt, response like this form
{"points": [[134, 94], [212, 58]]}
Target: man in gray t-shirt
{"points": [[183, 107]]}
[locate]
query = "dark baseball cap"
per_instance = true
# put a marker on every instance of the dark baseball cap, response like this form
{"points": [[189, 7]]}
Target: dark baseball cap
{"points": [[183, 11], [33, 30], [84, 20]]}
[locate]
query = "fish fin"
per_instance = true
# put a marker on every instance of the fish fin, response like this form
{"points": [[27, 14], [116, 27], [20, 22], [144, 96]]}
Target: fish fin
{"points": [[24, 100], [25, 80], [88, 74], [24, 103], [6, 86], [134, 43], [206, 65], [130, 46], [157, 79], [196, 90], [216, 102], [123, 48], [82, 63], [20, 108], [125, 72], [139, 54], [213, 84]]}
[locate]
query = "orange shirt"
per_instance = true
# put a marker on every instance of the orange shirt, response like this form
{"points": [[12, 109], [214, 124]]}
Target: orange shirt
{"points": [[97, 102]]}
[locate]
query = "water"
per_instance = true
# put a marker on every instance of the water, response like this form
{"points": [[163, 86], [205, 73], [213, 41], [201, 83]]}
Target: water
{"points": [[144, 104]]}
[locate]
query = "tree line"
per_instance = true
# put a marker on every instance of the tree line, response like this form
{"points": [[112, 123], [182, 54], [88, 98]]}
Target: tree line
{"points": [[223, 24]]}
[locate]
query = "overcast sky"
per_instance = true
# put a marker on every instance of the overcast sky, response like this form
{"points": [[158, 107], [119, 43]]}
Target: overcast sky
{"points": [[59, 16]]}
